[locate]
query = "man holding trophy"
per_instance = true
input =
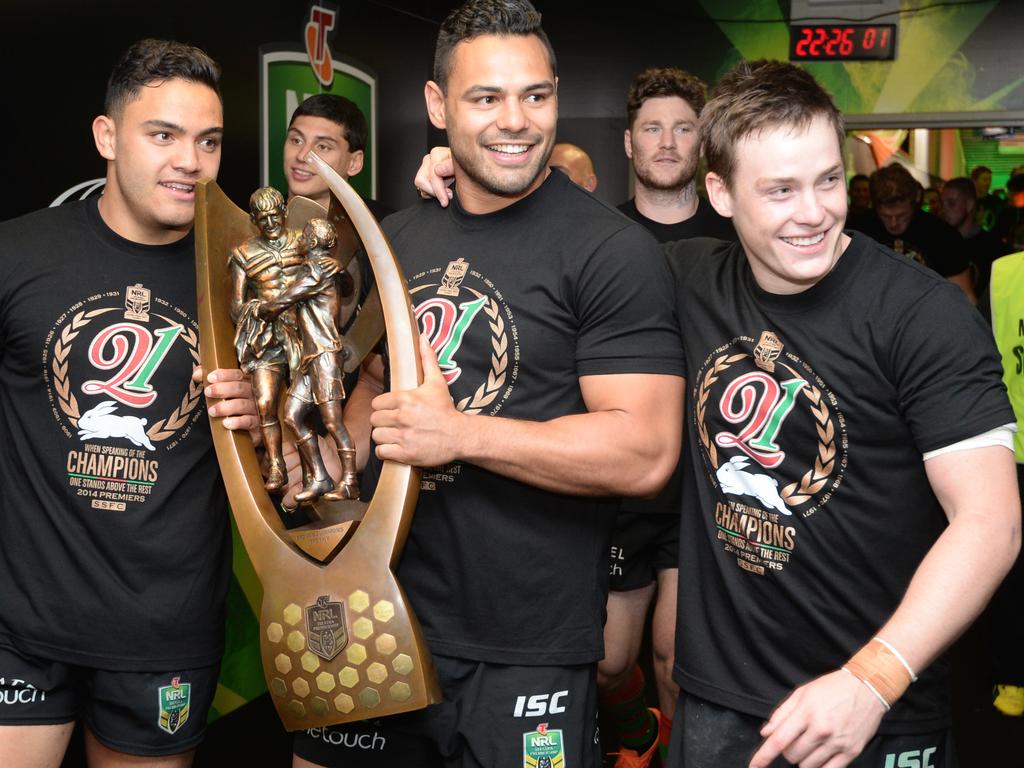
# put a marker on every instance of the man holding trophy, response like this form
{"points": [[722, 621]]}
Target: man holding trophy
{"points": [[114, 546], [552, 379]]}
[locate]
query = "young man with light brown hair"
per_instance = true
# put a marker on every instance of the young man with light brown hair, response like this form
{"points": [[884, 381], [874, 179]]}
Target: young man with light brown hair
{"points": [[850, 502]]}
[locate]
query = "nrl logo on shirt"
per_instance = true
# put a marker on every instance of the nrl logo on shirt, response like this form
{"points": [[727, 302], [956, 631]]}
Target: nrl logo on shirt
{"points": [[174, 705]]}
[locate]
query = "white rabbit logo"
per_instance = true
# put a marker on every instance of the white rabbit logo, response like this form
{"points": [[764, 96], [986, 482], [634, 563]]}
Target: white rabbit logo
{"points": [[738, 482], [100, 423]]}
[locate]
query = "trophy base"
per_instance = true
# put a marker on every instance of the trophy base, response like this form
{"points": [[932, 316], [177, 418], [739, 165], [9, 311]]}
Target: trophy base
{"points": [[345, 651]]}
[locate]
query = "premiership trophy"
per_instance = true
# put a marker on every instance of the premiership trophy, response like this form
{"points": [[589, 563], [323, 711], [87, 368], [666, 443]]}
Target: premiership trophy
{"points": [[338, 639]]}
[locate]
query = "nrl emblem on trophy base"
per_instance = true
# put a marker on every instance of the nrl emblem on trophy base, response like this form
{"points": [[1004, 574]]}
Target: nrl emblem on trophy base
{"points": [[276, 286]]}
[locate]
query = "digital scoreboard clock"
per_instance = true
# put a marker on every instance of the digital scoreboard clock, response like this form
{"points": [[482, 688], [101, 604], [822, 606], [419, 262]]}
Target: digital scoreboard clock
{"points": [[842, 42]]}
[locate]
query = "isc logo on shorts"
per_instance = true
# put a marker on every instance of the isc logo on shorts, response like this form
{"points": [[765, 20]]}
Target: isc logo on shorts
{"points": [[540, 704], [16, 691], [914, 758]]}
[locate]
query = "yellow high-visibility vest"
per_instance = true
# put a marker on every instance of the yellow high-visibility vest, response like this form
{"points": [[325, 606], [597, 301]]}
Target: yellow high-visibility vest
{"points": [[1007, 293]]}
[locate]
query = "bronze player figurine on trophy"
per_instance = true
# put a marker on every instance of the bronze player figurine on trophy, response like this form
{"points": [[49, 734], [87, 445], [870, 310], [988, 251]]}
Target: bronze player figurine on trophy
{"points": [[315, 293], [261, 268]]}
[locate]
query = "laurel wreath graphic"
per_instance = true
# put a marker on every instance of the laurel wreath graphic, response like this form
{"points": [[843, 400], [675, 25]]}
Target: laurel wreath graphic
{"points": [[815, 478], [161, 429], [710, 378], [59, 366], [489, 390]]}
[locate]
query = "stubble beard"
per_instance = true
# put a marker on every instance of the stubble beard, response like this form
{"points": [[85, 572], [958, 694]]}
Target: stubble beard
{"points": [[474, 165], [677, 183]]}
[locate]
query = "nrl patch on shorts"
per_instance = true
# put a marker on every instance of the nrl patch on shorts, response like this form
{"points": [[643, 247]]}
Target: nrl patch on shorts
{"points": [[174, 700], [543, 748]]}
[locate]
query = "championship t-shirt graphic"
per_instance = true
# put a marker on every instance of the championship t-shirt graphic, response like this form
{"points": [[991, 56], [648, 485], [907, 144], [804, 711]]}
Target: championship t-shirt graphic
{"points": [[107, 366], [473, 333], [773, 442]]}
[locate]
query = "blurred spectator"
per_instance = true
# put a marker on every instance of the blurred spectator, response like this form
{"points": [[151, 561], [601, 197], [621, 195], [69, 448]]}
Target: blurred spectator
{"points": [[860, 194], [1005, 617], [1009, 223], [896, 220], [574, 163], [931, 202], [959, 209], [989, 205]]}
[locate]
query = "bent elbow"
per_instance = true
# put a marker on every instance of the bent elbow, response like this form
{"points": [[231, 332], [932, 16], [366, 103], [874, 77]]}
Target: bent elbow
{"points": [[654, 475]]}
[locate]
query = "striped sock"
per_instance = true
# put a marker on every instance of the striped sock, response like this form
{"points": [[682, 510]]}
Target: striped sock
{"points": [[636, 726], [664, 735]]}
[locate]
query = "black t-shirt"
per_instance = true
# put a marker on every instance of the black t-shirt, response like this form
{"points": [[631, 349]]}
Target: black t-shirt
{"points": [[927, 240], [519, 304], [114, 544], [982, 249], [1009, 227], [379, 210], [806, 505], [704, 223]]}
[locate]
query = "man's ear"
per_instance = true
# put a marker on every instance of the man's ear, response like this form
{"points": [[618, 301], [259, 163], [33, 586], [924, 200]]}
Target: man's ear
{"points": [[718, 194], [355, 163], [627, 143], [104, 133], [435, 104]]}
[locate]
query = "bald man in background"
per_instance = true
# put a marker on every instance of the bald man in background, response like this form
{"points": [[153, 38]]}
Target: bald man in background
{"points": [[574, 163]]}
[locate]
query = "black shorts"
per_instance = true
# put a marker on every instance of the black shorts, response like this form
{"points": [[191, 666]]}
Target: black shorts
{"points": [[492, 715], [140, 713], [705, 735], [643, 543]]}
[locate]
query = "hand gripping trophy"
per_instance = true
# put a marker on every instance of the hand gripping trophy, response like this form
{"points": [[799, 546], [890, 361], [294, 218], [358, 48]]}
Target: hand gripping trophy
{"points": [[338, 641]]}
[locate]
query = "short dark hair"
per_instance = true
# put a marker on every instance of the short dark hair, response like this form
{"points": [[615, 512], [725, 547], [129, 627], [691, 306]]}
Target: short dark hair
{"points": [[893, 184], [756, 96], [338, 110], [476, 18], [660, 82], [977, 171], [154, 61], [858, 177], [964, 186]]}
